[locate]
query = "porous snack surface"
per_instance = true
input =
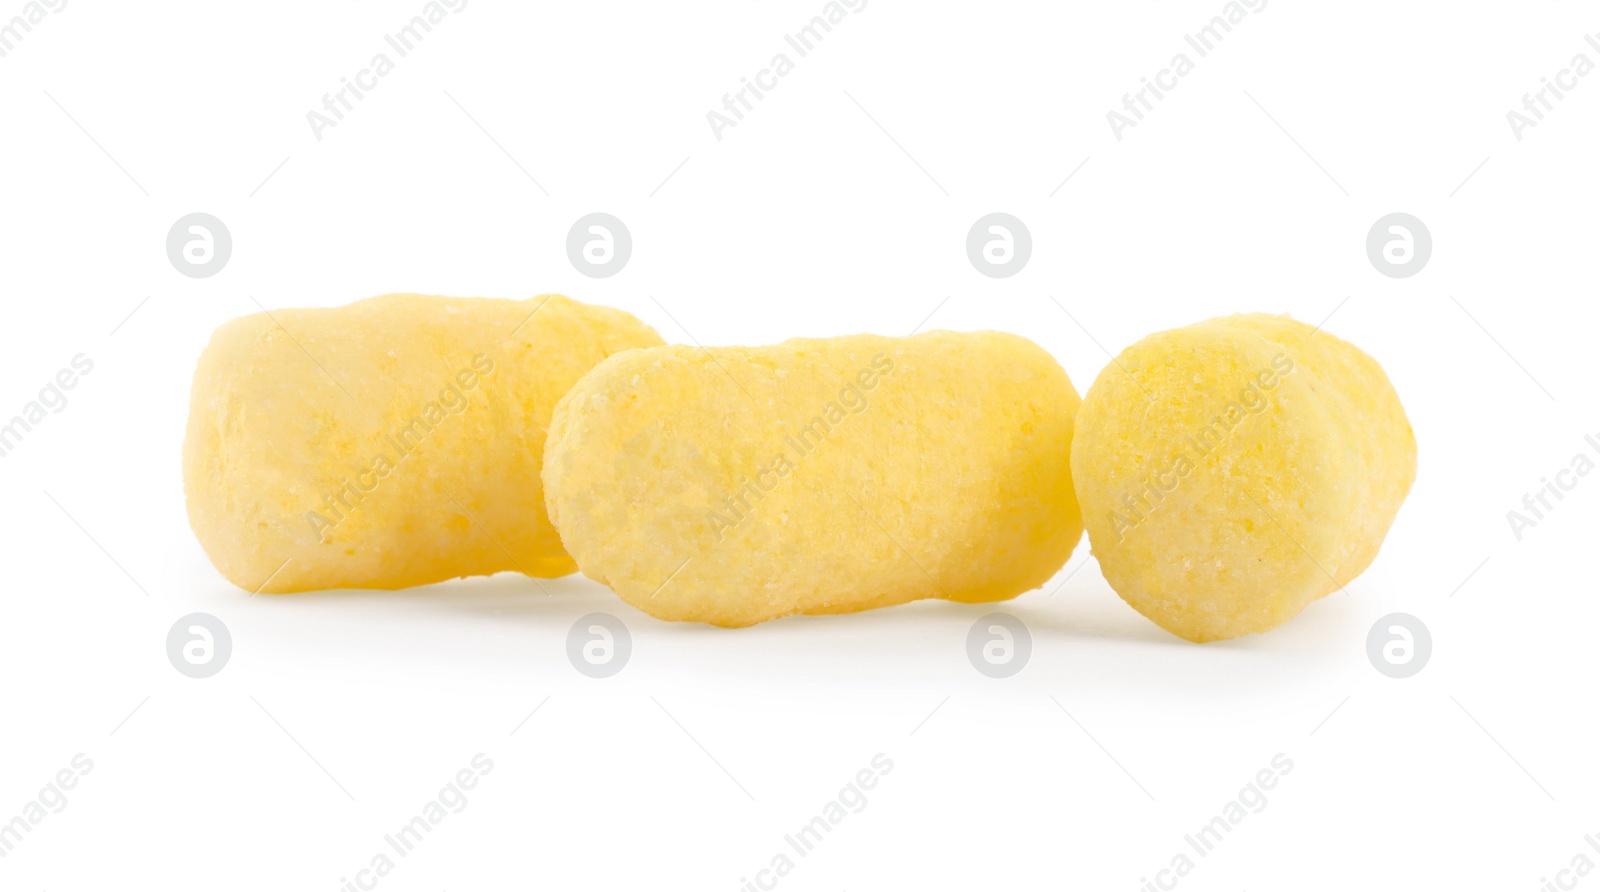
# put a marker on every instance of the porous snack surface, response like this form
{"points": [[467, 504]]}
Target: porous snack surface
{"points": [[391, 442], [1235, 470], [741, 484]]}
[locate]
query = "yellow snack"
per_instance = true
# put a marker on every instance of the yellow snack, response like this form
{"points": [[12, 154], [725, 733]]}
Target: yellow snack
{"points": [[392, 442], [817, 475], [1233, 471]]}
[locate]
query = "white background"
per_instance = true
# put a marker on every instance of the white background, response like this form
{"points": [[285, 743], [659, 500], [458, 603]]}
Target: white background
{"points": [[841, 204]]}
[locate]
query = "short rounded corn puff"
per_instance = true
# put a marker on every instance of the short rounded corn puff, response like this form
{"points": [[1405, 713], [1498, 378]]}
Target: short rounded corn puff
{"points": [[741, 484], [392, 442], [1233, 471]]}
